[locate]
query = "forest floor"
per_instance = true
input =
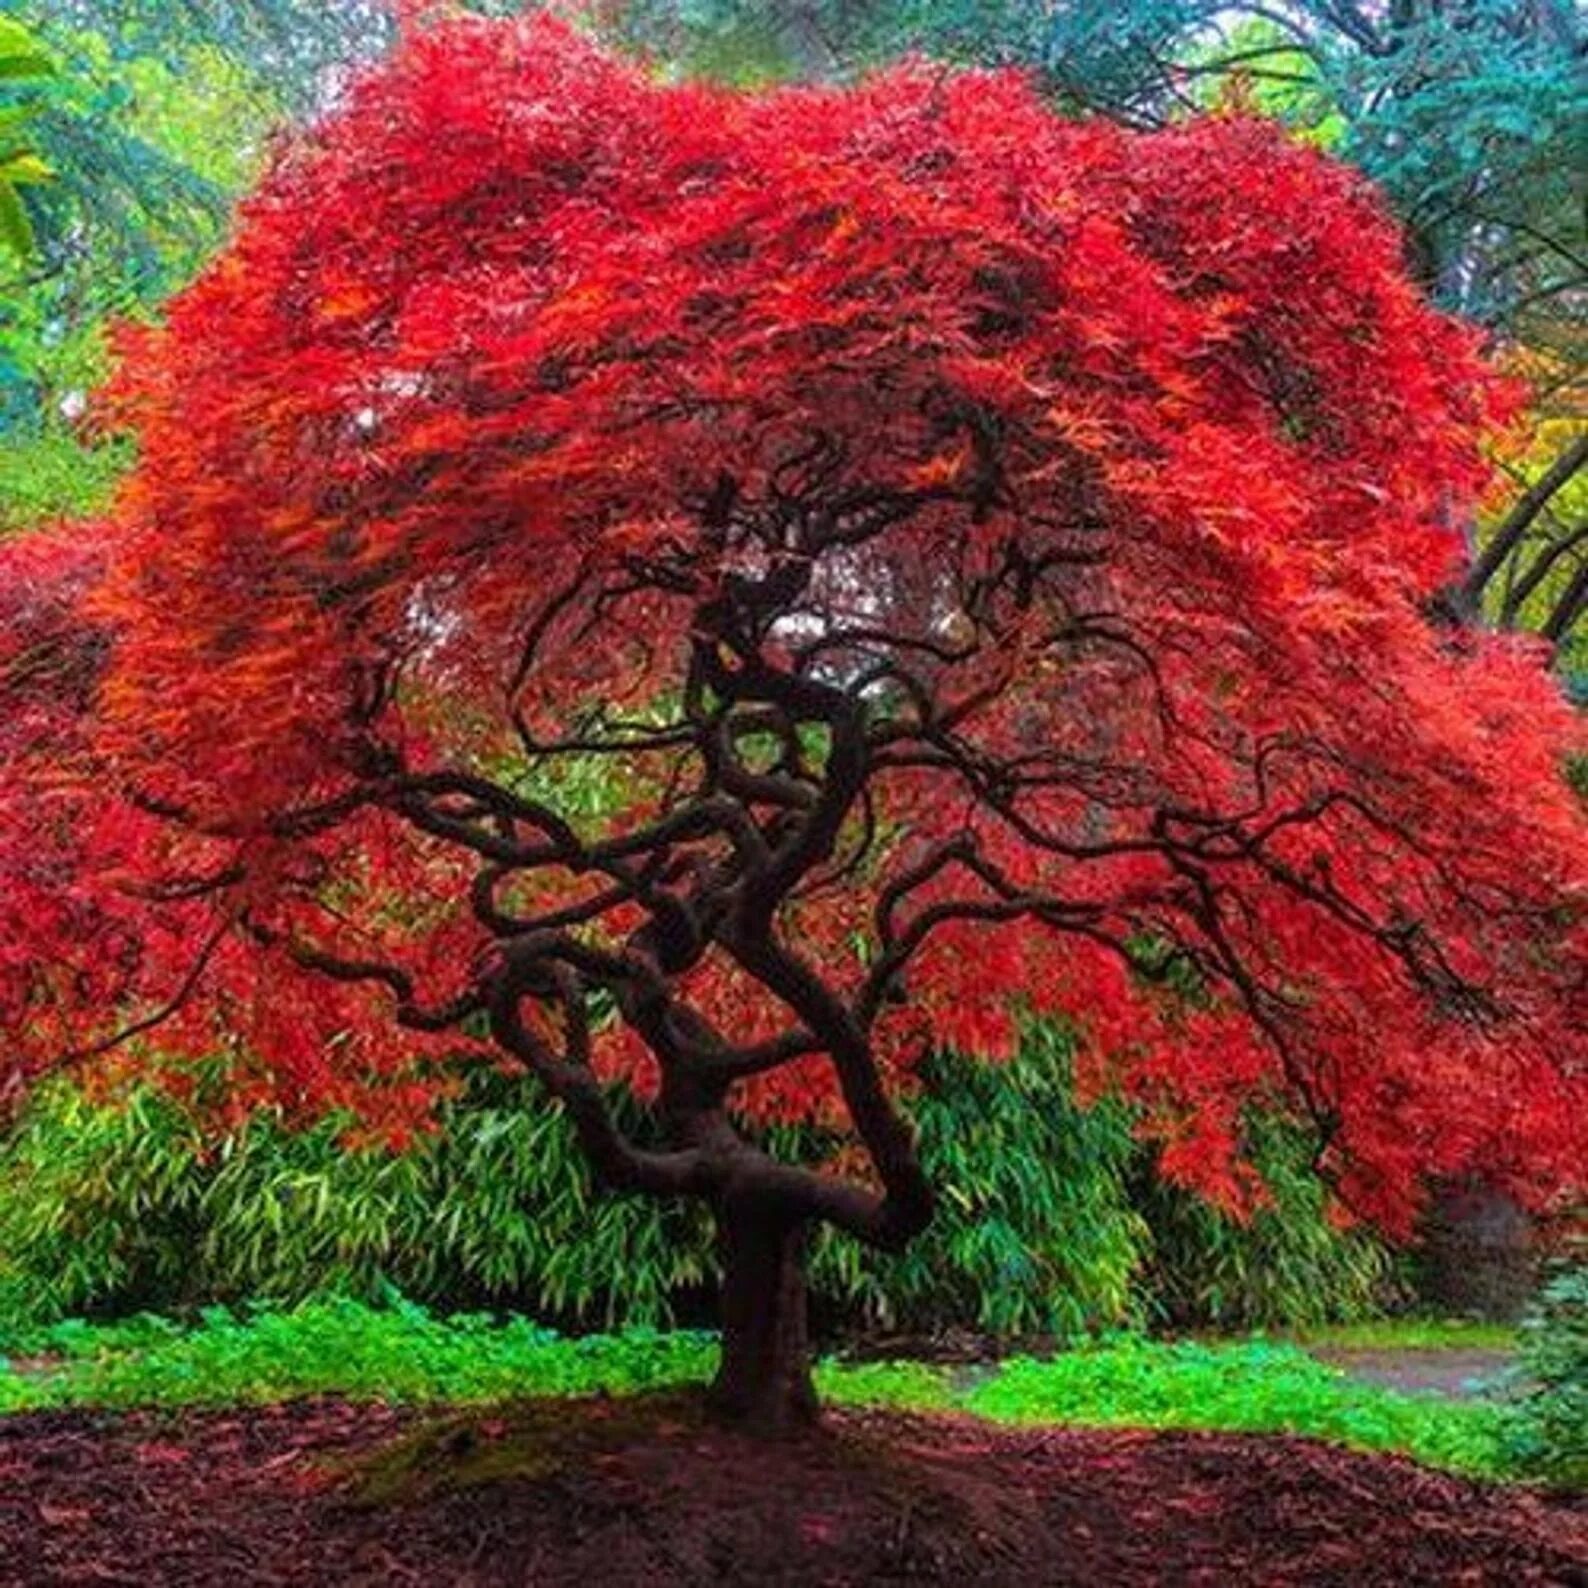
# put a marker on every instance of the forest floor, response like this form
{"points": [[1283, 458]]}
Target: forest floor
{"points": [[643, 1490]]}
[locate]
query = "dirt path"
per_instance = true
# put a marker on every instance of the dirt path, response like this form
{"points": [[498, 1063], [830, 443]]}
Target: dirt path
{"points": [[1441, 1370], [624, 1493]]}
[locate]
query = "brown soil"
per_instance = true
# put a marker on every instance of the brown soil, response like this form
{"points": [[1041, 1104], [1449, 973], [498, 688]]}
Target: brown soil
{"points": [[601, 1492]]}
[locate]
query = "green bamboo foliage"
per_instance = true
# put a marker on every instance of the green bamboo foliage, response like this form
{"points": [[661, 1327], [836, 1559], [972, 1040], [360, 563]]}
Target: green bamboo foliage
{"points": [[1051, 1222]]}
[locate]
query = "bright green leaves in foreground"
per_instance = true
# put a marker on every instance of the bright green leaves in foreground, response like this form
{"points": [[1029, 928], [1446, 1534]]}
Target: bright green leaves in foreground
{"points": [[402, 1353], [1252, 1388]]}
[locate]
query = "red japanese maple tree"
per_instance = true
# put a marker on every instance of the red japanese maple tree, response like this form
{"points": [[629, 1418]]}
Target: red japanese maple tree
{"points": [[728, 591]]}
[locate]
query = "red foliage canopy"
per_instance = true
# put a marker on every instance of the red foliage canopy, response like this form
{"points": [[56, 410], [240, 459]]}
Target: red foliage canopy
{"points": [[734, 589]]}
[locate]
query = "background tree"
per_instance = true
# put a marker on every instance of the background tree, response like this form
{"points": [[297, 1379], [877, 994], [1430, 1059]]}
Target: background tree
{"points": [[147, 148], [990, 550], [1470, 115], [298, 48]]}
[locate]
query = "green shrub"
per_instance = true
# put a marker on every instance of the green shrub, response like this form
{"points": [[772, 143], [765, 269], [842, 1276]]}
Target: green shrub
{"points": [[1290, 1265], [1052, 1222], [113, 1208], [1036, 1233], [46, 473], [1546, 1434], [100, 1206], [1049, 1222]]}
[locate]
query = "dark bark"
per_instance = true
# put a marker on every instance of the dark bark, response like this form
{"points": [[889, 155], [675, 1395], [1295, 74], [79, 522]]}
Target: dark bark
{"points": [[1550, 557], [1572, 603], [764, 1383], [1508, 535]]}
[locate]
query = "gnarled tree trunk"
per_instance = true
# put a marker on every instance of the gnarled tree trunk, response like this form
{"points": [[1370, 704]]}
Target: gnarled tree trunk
{"points": [[764, 1383]]}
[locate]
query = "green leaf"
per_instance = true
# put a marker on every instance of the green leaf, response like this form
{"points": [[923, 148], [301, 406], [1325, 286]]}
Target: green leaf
{"points": [[14, 117], [23, 169], [21, 55], [16, 230]]}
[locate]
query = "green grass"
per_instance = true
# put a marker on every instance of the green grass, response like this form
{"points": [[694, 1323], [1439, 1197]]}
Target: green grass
{"points": [[1253, 1387], [1409, 1334], [403, 1353]]}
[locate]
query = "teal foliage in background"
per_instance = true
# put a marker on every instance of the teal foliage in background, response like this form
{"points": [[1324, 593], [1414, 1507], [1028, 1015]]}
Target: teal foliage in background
{"points": [[1473, 117], [147, 153]]}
